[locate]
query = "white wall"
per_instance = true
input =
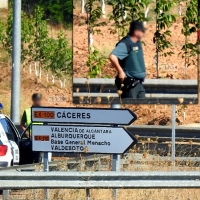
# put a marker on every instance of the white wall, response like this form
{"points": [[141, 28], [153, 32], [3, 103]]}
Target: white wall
{"points": [[3, 3]]}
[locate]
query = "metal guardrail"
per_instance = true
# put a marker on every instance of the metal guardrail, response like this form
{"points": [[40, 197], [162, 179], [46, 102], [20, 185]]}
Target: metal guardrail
{"points": [[82, 180], [163, 133], [163, 91]]}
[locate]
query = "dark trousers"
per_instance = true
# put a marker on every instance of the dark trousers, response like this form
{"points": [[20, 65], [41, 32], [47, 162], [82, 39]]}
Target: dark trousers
{"points": [[128, 91]]}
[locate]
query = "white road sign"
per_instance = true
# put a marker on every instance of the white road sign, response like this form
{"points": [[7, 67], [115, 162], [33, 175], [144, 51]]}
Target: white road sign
{"points": [[83, 115], [113, 140]]}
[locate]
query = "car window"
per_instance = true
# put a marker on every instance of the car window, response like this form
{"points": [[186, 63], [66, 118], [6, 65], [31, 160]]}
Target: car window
{"points": [[9, 130]]}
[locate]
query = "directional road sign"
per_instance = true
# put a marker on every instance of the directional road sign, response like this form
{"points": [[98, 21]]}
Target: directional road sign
{"points": [[83, 115], [112, 140]]}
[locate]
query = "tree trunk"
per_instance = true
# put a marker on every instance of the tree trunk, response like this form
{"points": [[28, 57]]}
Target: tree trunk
{"points": [[61, 83], [179, 10], [35, 67], [53, 80], [47, 77], [103, 8], [30, 69], [91, 39], [82, 6], [125, 15], [40, 72], [146, 14]]}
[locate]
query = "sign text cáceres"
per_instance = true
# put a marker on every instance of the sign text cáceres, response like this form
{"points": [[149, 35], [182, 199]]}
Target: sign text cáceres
{"points": [[73, 115]]}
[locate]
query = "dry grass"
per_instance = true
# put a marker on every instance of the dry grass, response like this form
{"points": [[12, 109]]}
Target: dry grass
{"points": [[106, 194]]}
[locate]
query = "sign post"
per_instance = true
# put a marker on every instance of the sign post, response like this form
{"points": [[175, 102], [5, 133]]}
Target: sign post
{"points": [[115, 157], [173, 152], [46, 169], [88, 193]]}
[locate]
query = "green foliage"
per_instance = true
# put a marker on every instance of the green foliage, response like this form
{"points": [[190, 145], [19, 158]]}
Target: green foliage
{"points": [[2, 33], [7, 43], [94, 14], [133, 8], [61, 58], [95, 62], [163, 22], [190, 26], [38, 44], [59, 11], [52, 54]]}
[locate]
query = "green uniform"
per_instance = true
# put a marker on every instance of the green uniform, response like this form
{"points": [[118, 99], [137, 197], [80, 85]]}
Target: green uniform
{"points": [[26, 118], [131, 59]]}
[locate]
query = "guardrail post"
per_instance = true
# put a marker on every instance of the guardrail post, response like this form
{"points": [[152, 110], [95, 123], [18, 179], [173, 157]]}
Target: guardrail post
{"points": [[6, 194], [88, 193], [46, 169], [115, 157], [173, 151]]}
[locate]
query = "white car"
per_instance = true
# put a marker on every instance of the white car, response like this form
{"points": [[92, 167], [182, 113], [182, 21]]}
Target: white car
{"points": [[15, 148], [9, 143]]}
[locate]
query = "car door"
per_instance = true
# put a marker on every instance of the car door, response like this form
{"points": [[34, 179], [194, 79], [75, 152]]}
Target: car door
{"points": [[26, 153], [13, 138]]}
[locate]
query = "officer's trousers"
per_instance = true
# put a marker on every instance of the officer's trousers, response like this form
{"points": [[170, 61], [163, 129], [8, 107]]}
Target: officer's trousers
{"points": [[128, 91], [136, 92]]}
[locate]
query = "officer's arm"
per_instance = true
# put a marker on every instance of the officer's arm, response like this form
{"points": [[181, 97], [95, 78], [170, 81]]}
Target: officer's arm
{"points": [[23, 121], [119, 53], [115, 63]]}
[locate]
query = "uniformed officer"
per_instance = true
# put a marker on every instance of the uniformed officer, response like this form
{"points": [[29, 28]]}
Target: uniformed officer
{"points": [[26, 117], [25, 122], [128, 59]]}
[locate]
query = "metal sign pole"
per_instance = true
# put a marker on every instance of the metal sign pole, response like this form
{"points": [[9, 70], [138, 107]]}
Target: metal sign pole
{"points": [[6, 194], [16, 57], [173, 133], [115, 157], [46, 169], [88, 193]]}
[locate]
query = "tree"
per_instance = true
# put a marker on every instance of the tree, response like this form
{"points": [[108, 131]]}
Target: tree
{"points": [[93, 16], [164, 21], [190, 25], [61, 58], [95, 62], [126, 11], [59, 11], [50, 54]]}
